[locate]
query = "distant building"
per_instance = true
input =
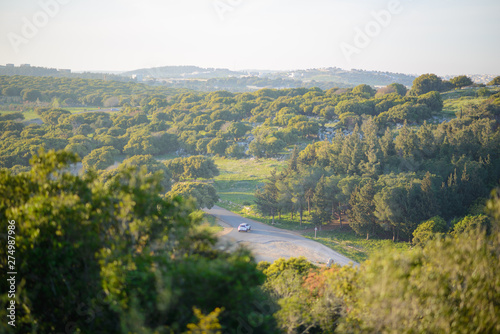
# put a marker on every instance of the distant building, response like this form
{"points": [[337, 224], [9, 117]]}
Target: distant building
{"points": [[25, 65], [136, 77], [9, 65]]}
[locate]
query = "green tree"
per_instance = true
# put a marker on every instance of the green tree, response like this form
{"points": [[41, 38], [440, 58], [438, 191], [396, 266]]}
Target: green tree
{"points": [[11, 91], [364, 90], [362, 217], [204, 194], [494, 82], [433, 100], [266, 198], [311, 300], [235, 151], [389, 209], [31, 95], [399, 88], [237, 130], [147, 164], [140, 143], [217, 146], [52, 116], [84, 130], [461, 81], [321, 203], [100, 158], [194, 167], [428, 230], [470, 224], [426, 83], [451, 285]]}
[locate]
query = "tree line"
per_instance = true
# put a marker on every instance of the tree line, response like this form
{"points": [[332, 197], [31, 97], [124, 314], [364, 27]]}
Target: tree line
{"points": [[391, 180]]}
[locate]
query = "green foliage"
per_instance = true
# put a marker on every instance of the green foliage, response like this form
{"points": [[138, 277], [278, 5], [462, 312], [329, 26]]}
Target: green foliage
{"points": [[208, 324], [217, 146], [355, 106], [450, 286], [364, 89], [143, 142], [428, 230], [494, 82], [298, 264], [265, 144], [470, 224], [310, 299], [11, 117], [204, 194], [194, 167], [235, 151], [144, 163], [80, 145], [266, 198], [362, 213], [322, 204], [237, 130], [426, 83], [399, 88], [85, 91], [404, 112], [52, 116], [432, 100], [11, 90], [31, 95], [484, 92], [461, 81], [100, 158], [118, 258]]}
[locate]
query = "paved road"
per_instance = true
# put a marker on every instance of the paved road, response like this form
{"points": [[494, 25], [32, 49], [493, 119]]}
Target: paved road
{"points": [[269, 243]]}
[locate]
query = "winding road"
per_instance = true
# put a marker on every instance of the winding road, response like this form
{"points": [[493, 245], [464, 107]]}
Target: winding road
{"points": [[270, 243]]}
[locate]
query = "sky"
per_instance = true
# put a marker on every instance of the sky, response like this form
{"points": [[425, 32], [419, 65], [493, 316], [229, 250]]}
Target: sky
{"points": [[445, 37]]}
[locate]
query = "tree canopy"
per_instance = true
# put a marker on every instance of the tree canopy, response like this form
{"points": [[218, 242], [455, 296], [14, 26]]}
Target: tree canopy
{"points": [[111, 258]]}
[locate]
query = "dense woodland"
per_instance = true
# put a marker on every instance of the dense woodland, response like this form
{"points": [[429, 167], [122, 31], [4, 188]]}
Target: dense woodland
{"points": [[119, 247]]}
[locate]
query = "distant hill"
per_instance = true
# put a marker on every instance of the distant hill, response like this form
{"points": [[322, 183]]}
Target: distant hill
{"points": [[193, 72], [212, 79], [36, 71], [217, 78], [349, 77]]}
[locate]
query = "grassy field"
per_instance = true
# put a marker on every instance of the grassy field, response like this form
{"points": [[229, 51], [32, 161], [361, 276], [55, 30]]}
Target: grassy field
{"points": [[452, 106], [353, 246], [30, 114], [239, 179], [455, 100]]}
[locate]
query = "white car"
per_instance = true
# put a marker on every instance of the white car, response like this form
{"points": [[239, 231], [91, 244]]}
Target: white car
{"points": [[244, 227]]}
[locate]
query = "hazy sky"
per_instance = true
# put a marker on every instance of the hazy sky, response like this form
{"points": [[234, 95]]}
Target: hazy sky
{"points": [[419, 36]]}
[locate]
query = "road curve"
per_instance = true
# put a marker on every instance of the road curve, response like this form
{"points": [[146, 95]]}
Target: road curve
{"points": [[270, 243]]}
